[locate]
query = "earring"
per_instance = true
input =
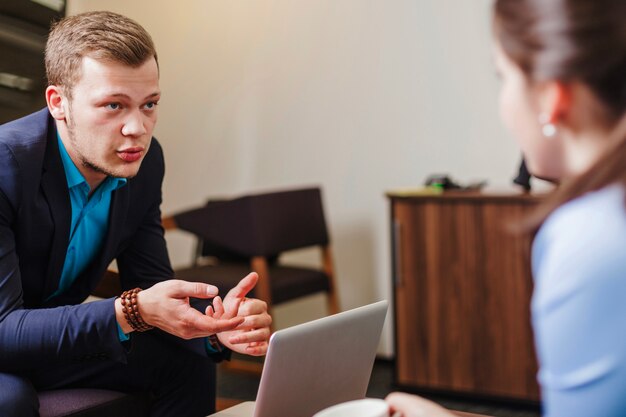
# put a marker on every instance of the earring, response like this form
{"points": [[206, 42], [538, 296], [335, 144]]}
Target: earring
{"points": [[548, 129]]}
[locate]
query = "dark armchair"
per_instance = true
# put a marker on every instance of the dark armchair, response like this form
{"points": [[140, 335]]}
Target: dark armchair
{"points": [[250, 233], [79, 402], [87, 402]]}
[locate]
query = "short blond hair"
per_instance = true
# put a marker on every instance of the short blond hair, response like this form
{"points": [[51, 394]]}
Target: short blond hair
{"points": [[101, 35]]}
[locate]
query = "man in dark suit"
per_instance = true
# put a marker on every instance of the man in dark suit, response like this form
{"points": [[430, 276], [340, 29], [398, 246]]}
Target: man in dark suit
{"points": [[80, 186]]}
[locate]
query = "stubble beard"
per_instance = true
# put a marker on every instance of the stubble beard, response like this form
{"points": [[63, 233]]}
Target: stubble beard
{"points": [[84, 161]]}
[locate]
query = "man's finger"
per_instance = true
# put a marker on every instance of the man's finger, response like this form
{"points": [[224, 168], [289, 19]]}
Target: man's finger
{"points": [[223, 325], [257, 350], [218, 307], [255, 322], [252, 306], [259, 335], [209, 311], [181, 289], [202, 324], [244, 286]]}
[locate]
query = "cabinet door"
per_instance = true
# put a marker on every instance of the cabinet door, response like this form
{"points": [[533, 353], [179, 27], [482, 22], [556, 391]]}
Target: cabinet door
{"points": [[22, 72], [462, 293]]}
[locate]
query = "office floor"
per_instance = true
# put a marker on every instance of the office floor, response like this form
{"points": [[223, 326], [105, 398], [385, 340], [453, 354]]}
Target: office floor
{"points": [[243, 387]]}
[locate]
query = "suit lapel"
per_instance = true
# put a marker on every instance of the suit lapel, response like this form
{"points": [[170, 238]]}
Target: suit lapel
{"points": [[54, 187]]}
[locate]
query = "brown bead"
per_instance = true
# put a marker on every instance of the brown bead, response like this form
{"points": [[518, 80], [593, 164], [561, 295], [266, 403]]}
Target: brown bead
{"points": [[131, 310]]}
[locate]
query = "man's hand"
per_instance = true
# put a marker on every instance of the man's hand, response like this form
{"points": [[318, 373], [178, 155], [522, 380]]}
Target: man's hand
{"points": [[166, 305], [252, 336]]}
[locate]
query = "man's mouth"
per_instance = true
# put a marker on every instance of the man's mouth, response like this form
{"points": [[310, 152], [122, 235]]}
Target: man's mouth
{"points": [[130, 154]]}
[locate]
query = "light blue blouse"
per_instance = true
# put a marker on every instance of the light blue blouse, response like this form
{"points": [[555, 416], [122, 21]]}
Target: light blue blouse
{"points": [[579, 306]]}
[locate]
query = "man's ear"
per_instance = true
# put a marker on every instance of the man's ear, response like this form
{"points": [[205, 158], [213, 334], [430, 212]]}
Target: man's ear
{"points": [[56, 101], [555, 101]]}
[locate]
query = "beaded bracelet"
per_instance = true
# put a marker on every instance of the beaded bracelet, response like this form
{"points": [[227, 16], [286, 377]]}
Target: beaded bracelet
{"points": [[131, 311]]}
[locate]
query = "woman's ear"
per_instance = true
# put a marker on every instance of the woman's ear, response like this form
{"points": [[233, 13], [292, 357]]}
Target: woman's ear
{"points": [[56, 102], [554, 101]]}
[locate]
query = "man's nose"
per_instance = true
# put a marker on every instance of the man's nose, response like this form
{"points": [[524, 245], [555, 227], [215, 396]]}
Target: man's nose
{"points": [[134, 125]]}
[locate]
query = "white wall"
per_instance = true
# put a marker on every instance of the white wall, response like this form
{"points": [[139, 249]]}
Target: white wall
{"points": [[358, 96]]}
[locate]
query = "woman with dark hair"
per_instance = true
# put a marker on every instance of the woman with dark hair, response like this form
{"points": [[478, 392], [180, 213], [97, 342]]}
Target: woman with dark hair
{"points": [[563, 96]]}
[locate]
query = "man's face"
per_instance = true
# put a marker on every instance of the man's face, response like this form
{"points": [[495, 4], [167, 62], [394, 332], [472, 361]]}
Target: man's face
{"points": [[109, 120]]}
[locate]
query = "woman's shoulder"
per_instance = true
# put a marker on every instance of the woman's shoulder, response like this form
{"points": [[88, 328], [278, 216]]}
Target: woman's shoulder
{"points": [[585, 235], [598, 212]]}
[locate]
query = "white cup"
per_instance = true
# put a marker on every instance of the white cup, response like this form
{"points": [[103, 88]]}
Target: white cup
{"points": [[369, 407]]}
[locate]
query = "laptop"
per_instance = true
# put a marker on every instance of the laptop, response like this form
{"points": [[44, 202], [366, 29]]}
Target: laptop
{"points": [[317, 364]]}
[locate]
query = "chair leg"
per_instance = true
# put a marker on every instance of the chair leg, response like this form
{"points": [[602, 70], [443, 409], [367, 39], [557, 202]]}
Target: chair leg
{"points": [[332, 303], [263, 289], [329, 270]]}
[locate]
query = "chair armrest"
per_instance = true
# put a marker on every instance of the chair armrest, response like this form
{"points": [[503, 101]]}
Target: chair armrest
{"points": [[109, 285], [169, 222]]}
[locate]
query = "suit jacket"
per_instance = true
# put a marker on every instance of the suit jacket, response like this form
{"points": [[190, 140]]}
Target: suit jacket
{"points": [[35, 216]]}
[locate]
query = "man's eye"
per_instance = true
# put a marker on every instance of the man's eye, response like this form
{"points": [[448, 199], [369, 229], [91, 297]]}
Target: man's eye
{"points": [[113, 106], [150, 105]]}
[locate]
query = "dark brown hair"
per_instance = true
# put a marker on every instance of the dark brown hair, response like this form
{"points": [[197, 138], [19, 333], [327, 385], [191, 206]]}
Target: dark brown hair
{"points": [[573, 41], [100, 35]]}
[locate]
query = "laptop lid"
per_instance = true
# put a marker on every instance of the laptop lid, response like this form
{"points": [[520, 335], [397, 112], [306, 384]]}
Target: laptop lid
{"points": [[317, 364]]}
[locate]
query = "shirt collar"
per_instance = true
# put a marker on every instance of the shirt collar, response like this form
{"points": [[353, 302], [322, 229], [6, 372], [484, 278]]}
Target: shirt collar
{"points": [[75, 178]]}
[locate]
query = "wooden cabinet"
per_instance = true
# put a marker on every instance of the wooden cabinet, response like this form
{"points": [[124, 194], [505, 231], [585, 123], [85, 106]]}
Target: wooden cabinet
{"points": [[462, 288], [24, 27]]}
